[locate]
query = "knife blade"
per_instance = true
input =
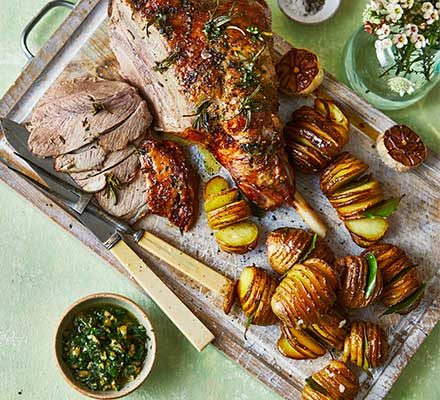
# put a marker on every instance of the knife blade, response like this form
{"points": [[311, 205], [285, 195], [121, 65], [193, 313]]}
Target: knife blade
{"points": [[17, 136]]}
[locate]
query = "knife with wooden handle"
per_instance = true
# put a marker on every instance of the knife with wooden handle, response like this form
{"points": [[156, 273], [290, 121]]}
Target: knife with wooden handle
{"points": [[59, 187]]}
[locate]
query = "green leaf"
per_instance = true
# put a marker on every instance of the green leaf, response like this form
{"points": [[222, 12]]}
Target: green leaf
{"points": [[248, 324], [406, 303], [310, 249], [384, 209], [372, 275], [316, 386]]}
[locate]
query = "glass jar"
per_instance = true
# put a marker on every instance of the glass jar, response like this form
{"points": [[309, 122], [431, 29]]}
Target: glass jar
{"points": [[369, 70]]}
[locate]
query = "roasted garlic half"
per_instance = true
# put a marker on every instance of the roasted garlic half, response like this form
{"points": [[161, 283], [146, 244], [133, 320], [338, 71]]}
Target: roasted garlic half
{"points": [[334, 382], [315, 136], [403, 289], [255, 289], [299, 72], [328, 333], [360, 281], [305, 294], [366, 346], [358, 199], [228, 215], [401, 148], [288, 246]]}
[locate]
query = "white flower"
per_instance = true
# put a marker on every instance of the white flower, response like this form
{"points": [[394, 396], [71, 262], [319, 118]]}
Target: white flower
{"points": [[418, 40], [401, 85], [427, 7], [437, 5], [411, 29], [383, 31], [383, 44], [407, 3], [400, 40], [432, 17], [395, 12], [376, 5]]}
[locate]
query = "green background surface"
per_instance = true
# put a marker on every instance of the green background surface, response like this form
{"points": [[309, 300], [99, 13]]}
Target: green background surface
{"points": [[44, 269]]}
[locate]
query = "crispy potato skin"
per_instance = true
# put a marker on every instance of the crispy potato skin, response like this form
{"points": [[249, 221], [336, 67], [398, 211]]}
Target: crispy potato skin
{"points": [[305, 294], [399, 273], [337, 379], [255, 289], [328, 333], [353, 273], [286, 246], [315, 136], [352, 193], [366, 346]]}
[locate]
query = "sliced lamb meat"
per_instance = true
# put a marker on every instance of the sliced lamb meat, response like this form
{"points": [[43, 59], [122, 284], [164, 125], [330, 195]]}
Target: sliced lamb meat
{"points": [[129, 202], [132, 129], [91, 156], [121, 165], [171, 181], [137, 58], [75, 113]]}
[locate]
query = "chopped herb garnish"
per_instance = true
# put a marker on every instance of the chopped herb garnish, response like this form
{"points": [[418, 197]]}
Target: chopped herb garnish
{"points": [[97, 107], [249, 76], [310, 249], [216, 25], [407, 303], [162, 23], [165, 64], [105, 347], [384, 209], [316, 386], [202, 116], [112, 185], [372, 274]]}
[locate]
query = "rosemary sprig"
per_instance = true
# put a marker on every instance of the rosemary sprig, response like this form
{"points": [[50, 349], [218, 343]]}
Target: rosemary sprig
{"points": [[165, 64], [112, 185], [248, 105], [216, 25], [201, 122], [256, 34], [249, 77], [162, 23]]}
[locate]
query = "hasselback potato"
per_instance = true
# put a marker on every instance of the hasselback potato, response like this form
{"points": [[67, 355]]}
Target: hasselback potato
{"points": [[315, 136], [334, 382], [403, 289], [229, 215], [366, 346], [360, 282], [255, 289], [358, 199], [328, 333], [305, 294], [288, 246]]}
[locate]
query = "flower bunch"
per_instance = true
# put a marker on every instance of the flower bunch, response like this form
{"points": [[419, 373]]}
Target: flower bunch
{"points": [[410, 29]]}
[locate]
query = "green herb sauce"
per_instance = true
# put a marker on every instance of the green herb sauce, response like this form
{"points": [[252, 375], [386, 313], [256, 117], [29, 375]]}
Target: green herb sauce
{"points": [[105, 347]]}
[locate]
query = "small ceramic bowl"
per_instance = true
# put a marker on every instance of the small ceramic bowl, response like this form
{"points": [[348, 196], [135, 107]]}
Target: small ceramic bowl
{"points": [[328, 10], [94, 300]]}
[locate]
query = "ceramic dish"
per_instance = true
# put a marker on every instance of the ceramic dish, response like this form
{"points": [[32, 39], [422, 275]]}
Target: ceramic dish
{"points": [[328, 10], [93, 301]]}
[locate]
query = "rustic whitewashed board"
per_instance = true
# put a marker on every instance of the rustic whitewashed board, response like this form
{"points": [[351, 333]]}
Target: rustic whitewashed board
{"points": [[80, 46]]}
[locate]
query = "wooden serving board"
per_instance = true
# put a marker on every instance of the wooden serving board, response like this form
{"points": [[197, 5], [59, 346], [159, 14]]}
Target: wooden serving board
{"points": [[80, 46]]}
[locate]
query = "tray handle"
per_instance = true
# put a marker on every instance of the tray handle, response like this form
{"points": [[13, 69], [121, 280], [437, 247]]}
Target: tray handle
{"points": [[34, 21]]}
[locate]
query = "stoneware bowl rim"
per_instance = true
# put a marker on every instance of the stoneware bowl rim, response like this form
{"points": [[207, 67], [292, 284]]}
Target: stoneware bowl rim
{"points": [[330, 8], [118, 300]]}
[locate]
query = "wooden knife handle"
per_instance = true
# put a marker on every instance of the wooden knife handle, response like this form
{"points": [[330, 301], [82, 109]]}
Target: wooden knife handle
{"points": [[194, 269], [170, 304]]}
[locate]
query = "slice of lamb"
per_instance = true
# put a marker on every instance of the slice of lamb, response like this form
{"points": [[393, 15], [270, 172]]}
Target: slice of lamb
{"points": [[121, 165], [89, 157], [66, 123], [133, 128], [172, 182], [130, 202]]}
